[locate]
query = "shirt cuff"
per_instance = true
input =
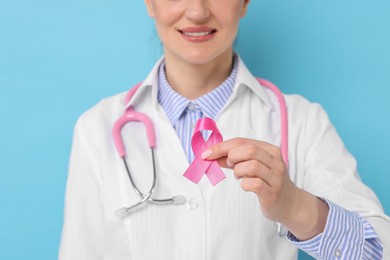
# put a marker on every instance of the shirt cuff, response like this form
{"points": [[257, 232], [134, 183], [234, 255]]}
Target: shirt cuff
{"points": [[343, 237]]}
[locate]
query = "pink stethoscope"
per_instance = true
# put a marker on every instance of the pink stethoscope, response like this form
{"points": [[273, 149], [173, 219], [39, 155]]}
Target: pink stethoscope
{"points": [[131, 115]]}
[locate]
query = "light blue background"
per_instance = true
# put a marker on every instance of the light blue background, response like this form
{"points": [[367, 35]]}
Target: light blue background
{"points": [[58, 58]]}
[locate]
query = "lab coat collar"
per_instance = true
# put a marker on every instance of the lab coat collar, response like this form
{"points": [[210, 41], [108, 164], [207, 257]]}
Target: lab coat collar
{"points": [[244, 80], [149, 85]]}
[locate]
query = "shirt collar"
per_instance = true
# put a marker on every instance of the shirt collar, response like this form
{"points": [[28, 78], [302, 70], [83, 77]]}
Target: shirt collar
{"points": [[210, 104], [172, 102], [244, 80]]}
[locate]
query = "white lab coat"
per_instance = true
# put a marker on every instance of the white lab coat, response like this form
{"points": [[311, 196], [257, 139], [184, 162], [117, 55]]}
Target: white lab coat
{"points": [[221, 222]]}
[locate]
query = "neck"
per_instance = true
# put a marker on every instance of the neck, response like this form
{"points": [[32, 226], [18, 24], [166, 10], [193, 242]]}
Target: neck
{"points": [[195, 80]]}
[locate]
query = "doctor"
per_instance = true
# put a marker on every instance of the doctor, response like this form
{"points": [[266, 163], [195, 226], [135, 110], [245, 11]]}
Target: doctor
{"points": [[318, 198]]}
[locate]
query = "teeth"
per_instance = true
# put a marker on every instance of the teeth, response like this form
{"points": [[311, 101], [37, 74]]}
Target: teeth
{"points": [[196, 34]]}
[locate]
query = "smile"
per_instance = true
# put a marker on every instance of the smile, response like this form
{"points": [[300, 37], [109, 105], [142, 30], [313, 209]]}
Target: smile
{"points": [[197, 34]]}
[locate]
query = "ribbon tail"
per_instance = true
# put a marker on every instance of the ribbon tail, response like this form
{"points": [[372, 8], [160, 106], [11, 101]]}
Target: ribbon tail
{"points": [[215, 174], [197, 169]]}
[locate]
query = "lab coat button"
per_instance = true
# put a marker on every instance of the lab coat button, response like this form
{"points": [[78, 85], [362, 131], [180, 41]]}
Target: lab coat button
{"points": [[192, 204], [337, 253]]}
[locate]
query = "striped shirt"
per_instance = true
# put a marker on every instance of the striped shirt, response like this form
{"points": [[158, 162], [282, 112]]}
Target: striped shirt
{"points": [[183, 113], [347, 235]]}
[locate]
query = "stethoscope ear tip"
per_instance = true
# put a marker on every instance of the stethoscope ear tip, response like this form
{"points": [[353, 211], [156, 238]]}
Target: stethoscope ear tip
{"points": [[179, 200]]}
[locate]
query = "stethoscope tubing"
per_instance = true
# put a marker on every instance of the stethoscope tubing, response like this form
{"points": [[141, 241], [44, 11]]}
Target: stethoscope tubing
{"points": [[125, 211], [131, 115], [146, 198]]}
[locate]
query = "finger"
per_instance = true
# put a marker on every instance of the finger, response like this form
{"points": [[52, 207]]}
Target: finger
{"points": [[257, 186], [222, 149], [223, 163], [248, 152], [252, 169], [267, 197]]}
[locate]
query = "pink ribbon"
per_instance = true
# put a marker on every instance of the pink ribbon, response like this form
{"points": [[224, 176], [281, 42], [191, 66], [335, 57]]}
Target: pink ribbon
{"points": [[199, 166]]}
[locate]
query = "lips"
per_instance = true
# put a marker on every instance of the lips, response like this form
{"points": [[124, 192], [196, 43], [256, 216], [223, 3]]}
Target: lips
{"points": [[197, 34]]}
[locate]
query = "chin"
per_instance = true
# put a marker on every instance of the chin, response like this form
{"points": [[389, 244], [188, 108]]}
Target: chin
{"points": [[204, 57]]}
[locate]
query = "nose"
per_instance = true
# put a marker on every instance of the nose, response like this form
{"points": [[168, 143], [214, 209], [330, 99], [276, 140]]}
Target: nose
{"points": [[197, 10]]}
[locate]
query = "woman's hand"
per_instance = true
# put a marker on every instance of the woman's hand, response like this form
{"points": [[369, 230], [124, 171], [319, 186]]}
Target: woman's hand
{"points": [[261, 168]]}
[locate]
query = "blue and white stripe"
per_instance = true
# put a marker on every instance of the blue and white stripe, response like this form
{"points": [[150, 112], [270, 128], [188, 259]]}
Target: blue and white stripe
{"points": [[347, 235], [183, 113]]}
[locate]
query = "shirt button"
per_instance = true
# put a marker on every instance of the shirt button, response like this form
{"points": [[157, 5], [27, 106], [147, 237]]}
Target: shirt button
{"points": [[192, 204], [337, 253], [191, 106]]}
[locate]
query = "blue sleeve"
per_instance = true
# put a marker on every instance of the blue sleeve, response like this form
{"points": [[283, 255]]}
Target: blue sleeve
{"points": [[347, 235]]}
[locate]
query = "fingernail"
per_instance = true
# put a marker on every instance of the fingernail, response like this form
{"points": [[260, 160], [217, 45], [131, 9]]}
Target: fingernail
{"points": [[206, 154], [229, 163]]}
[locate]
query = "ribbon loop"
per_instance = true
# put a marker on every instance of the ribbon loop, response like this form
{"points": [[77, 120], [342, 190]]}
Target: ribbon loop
{"points": [[199, 167]]}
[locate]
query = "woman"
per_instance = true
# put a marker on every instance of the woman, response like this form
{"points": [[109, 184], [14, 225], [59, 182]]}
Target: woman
{"points": [[318, 197]]}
